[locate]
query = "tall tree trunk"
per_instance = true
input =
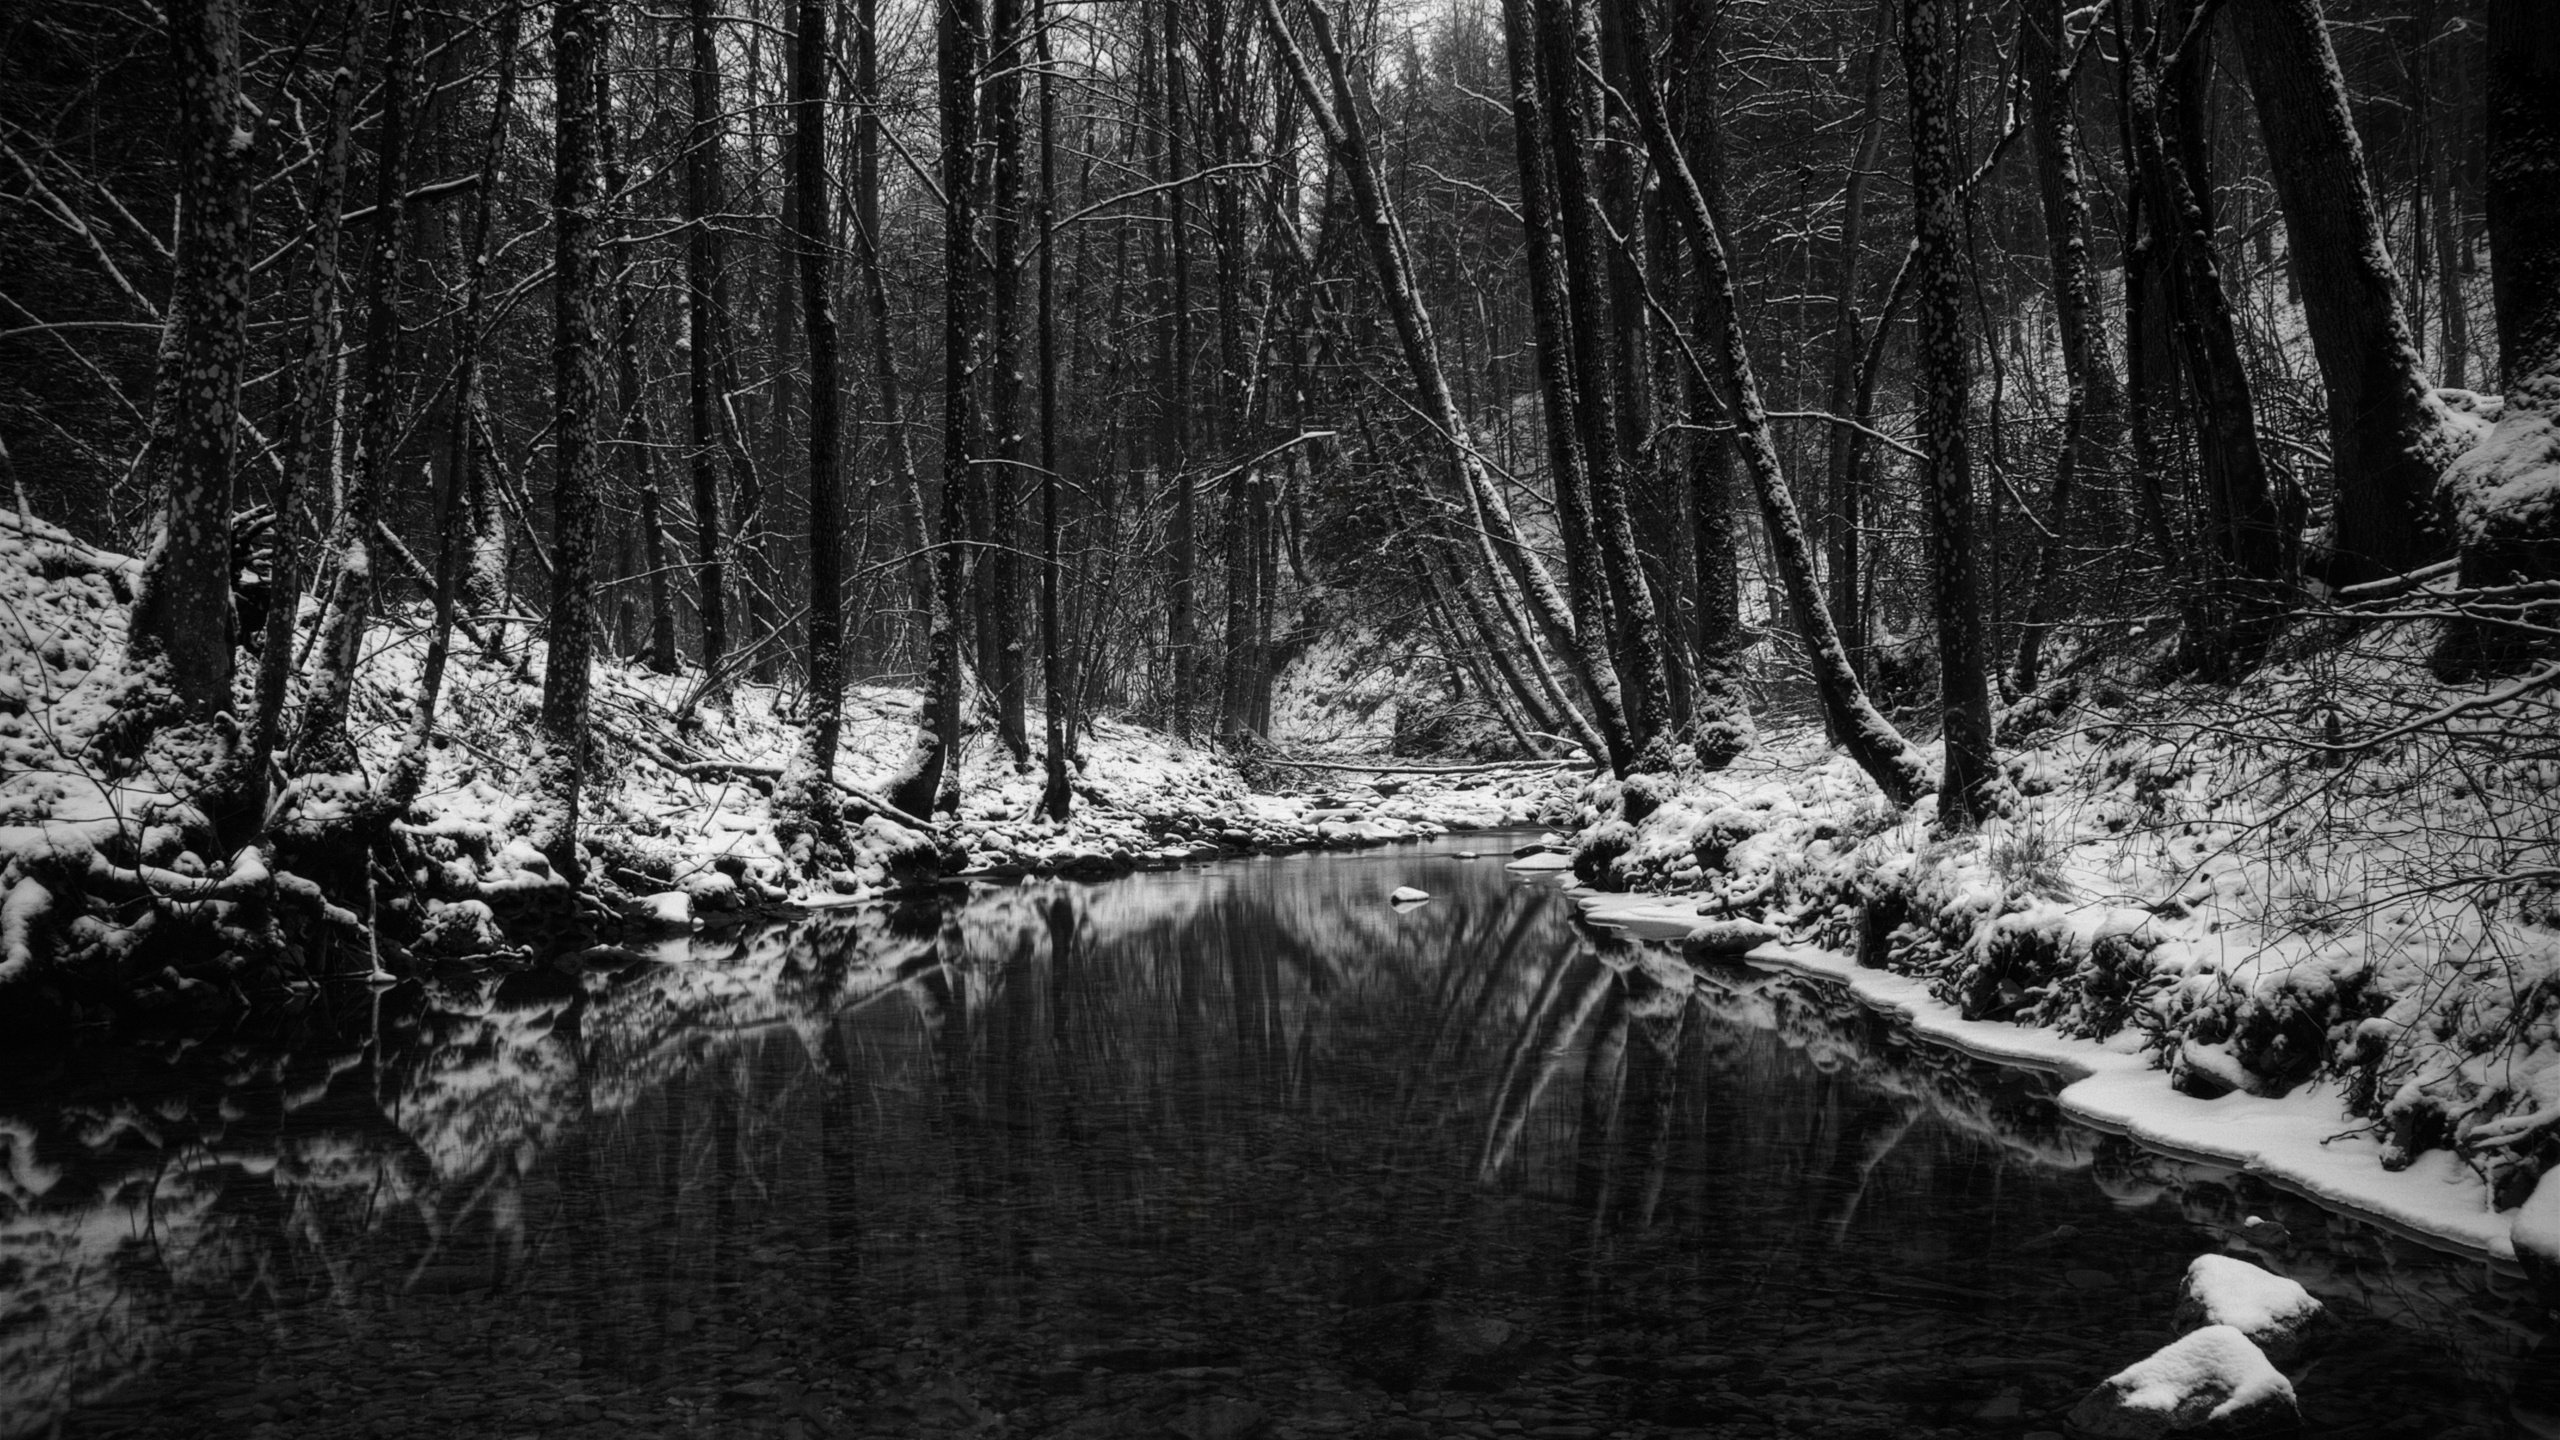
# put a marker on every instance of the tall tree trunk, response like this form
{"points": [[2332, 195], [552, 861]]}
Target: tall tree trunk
{"points": [[1055, 795], [2252, 540], [577, 45], [1721, 729], [1568, 431], [181, 628], [1859, 727], [322, 745], [705, 331], [812, 782], [960, 48], [306, 391], [1000, 608], [2498, 494], [1967, 786], [2453, 315], [1174, 399], [2386, 430], [1628, 618]]}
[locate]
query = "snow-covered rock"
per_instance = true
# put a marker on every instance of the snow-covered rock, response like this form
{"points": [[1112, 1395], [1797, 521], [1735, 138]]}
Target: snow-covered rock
{"points": [[1731, 937], [2274, 1312], [2212, 1377], [1407, 895], [670, 909]]}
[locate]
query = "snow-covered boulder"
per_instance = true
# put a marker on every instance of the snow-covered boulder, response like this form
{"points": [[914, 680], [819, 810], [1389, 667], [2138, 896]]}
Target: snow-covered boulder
{"points": [[666, 910], [2211, 1379], [2274, 1312], [1407, 895], [1731, 937]]}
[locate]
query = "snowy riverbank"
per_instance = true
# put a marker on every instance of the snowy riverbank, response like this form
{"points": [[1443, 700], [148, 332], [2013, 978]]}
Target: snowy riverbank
{"points": [[2304, 927], [115, 899]]}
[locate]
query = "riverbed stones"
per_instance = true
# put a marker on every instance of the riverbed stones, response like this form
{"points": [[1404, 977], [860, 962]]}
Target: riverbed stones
{"points": [[2209, 1382], [2276, 1314]]}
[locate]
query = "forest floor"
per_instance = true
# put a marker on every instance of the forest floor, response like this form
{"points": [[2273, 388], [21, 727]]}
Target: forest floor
{"points": [[2308, 925], [678, 823]]}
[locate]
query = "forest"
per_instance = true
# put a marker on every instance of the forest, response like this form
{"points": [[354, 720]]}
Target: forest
{"points": [[428, 423]]}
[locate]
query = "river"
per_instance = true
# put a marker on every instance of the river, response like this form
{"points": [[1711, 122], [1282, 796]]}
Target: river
{"points": [[1231, 1151]]}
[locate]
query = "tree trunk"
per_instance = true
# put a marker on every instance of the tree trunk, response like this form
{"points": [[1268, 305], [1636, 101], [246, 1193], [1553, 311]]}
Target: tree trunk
{"points": [[577, 43], [323, 745], [1845, 482], [1721, 729], [2386, 431], [1967, 787], [304, 424], [1174, 399], [705, 331], [2092, 407], [2500, 495], [1000, 609], [1859, 727], [1055, 795], [182, 619], [1628, 619], [813, 794], [1568, 431], [2251, 539]]}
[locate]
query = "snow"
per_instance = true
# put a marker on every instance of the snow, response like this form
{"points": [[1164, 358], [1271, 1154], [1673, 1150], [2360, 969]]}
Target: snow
{"points": [[2332, 969], [1407, 895], [2212, 1374], [2536, 1235], [2226, 1290]]}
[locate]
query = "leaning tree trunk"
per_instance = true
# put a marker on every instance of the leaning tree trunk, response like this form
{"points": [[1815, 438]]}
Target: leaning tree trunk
{"points": [[2386, 429], [2501, 496], [323, 744], [1347, 141], [1861, 729], [577, 44], [182, 619], [1966, 790]]}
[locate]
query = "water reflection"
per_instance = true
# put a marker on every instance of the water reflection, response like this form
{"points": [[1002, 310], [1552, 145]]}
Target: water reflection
{"points": [[1208, 1153]]}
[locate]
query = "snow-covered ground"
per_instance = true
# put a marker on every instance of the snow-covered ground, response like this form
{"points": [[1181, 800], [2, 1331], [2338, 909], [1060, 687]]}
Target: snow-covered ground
{"points": [[2309, 926], [678, 823]]}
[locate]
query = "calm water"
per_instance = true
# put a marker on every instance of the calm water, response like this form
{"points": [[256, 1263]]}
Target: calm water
{"points": [[1240, 1150]]}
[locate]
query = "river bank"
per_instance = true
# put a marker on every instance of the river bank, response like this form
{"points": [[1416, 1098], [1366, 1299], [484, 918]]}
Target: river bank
{"points": [[2304, 925], [1241, 1145]]}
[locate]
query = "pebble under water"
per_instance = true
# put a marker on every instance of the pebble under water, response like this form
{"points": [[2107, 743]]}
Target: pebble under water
{"points": [[1235, 1151]]}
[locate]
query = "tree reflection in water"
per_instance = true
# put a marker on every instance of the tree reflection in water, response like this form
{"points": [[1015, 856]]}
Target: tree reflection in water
{"points": [[1070, 1159]]}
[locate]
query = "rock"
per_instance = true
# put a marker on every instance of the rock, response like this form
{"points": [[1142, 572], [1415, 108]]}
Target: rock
{"points": [[668, 910], [2274, 1312], [2214, 1377], [1731, 937], [1407, 895]]}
